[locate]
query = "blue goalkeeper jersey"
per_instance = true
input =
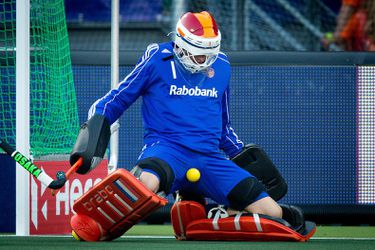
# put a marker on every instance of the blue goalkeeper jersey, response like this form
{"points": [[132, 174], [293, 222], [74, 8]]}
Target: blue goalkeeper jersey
{"points": [[191, 110]]}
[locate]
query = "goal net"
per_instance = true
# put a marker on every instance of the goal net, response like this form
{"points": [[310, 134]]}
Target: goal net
{"points": [[53, 108]]}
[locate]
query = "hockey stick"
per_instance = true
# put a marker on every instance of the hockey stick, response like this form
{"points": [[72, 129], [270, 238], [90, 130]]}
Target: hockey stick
{"points": [[44, 178]]}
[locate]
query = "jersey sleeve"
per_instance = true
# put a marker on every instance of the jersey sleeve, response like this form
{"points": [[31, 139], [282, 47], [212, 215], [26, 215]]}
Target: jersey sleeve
{"points": [[229, 143], [117, 100]]}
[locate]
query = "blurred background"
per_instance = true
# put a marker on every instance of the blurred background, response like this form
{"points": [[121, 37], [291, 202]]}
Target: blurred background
{"points": [[272, 25]]}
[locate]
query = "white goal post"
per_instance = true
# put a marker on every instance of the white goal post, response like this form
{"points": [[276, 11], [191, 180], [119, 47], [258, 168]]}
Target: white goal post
{"points": [[22, 114], [115, 30], [23, 106]]}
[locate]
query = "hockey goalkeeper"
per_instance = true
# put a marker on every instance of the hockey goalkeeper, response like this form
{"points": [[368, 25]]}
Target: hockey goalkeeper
{"points": [[184, 86]]}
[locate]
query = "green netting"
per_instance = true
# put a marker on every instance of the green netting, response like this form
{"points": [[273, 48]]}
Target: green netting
{"points": [[53, 107]]}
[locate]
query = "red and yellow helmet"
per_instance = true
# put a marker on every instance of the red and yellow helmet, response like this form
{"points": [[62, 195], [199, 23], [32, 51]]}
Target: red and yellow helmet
{"points": [[197, 34]]}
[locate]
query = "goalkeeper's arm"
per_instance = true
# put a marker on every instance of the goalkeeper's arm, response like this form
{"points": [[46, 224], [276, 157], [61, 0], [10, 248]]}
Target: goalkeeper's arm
{"points": [[229, 142]]}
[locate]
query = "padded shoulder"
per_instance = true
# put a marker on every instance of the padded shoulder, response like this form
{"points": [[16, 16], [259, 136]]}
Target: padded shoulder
{"points": [[223, 57], [159, 51]]}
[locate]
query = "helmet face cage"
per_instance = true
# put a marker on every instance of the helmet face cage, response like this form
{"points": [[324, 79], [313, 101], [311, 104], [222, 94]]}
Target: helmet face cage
{"points": [[197, 35], [188, 60]]}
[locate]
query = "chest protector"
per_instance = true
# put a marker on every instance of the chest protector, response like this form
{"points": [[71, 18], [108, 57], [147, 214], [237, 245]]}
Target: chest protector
{"points": [[190, 222]]}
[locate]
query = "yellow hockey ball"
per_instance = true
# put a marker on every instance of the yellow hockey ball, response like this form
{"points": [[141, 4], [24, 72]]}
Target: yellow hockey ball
{"points": [[193, 175], [75, 236]]}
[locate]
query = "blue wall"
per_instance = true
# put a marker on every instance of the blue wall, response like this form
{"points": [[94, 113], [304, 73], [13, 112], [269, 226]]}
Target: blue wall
{"points": [[304, 117], [100, 10]]}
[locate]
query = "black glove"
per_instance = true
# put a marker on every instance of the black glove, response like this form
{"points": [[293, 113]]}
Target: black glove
{"points": [[254, 160], [91, 143]]}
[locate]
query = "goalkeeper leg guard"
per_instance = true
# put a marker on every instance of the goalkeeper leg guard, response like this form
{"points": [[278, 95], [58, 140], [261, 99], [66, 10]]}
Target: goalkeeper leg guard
{"points": [[190, 223], [116, 203], [183, 213]]}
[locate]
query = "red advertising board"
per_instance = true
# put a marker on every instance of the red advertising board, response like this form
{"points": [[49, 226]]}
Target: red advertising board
{"points": [[51, 214]]}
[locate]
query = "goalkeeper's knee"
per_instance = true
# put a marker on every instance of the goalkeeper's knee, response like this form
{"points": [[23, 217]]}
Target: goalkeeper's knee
{"points": [[159, 168], [245, 193]]}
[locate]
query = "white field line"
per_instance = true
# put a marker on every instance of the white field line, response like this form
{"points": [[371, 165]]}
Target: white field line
{"points": [[172, 237], [342, 238]]}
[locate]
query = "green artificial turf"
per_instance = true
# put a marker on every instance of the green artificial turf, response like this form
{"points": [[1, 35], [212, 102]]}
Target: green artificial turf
{"points": [[150, 237]]}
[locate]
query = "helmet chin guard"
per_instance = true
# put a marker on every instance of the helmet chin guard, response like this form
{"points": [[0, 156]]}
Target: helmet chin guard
{"points": [[197, 35]]}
